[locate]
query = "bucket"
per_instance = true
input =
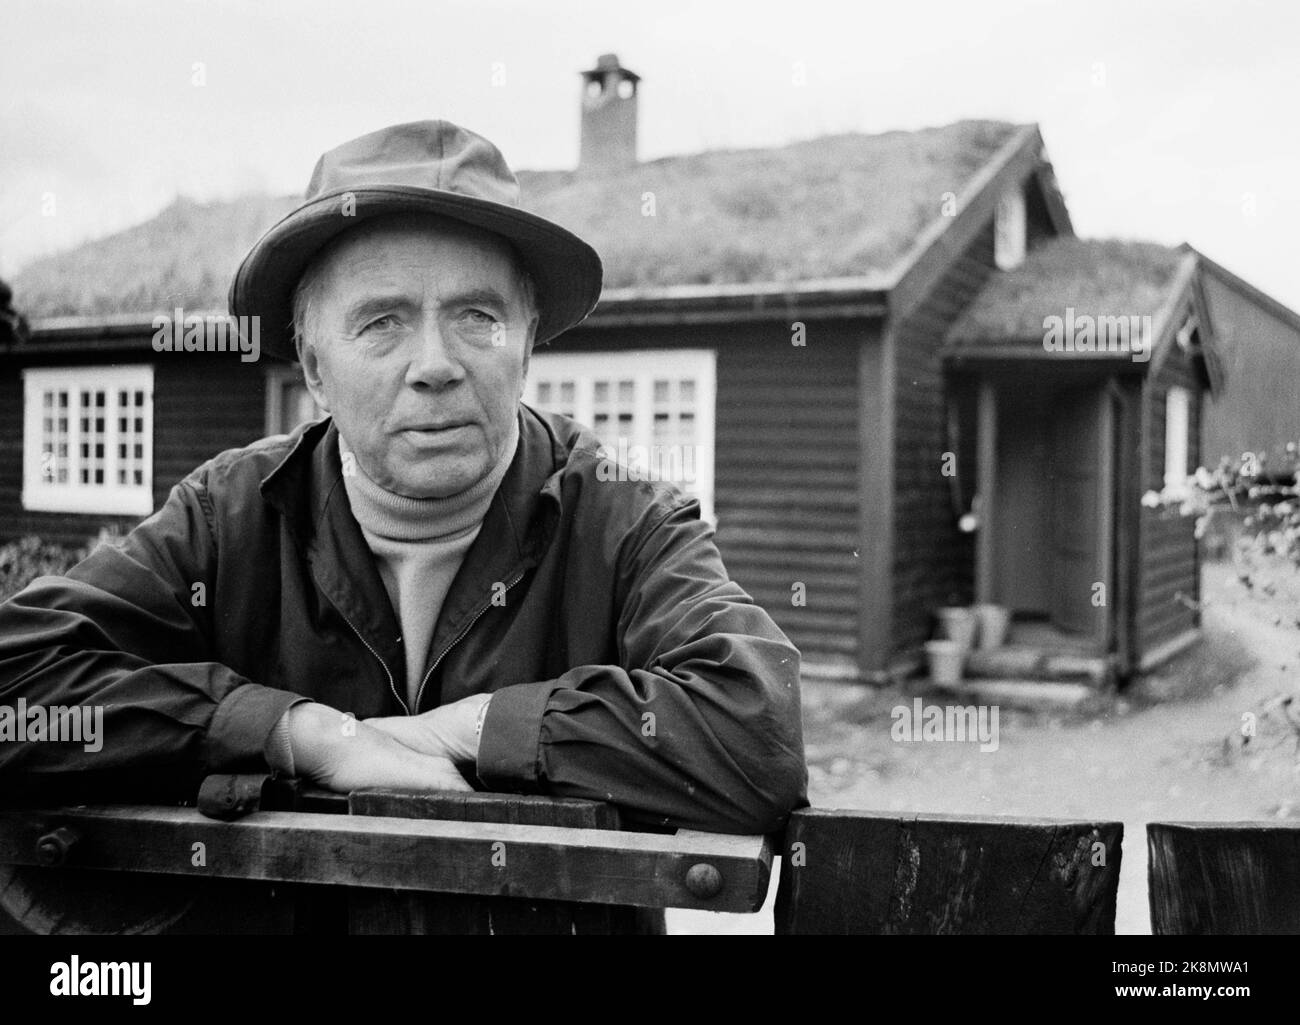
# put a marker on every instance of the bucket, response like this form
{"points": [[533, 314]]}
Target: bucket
{"points": [[957, 624], [946, 658], [994, 621]]}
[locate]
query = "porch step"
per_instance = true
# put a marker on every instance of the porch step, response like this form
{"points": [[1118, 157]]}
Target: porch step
{"points": [[1025, 663], [1034, 695]]}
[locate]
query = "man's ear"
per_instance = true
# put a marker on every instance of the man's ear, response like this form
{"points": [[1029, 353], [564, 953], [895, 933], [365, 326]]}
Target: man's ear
{"points": [[311, 373]]}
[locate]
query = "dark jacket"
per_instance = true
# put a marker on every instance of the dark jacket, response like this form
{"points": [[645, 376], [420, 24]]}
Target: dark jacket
{"points": [[625, 665]]}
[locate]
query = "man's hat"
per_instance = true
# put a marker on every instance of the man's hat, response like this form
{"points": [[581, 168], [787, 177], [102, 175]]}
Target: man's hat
{"points": [[426, 166]]}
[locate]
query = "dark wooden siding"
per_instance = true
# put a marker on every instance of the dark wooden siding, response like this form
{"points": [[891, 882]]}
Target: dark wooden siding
{"points": [[203, 404], [933, 561], [785, 467], [1258, 410], [1169, 582]]}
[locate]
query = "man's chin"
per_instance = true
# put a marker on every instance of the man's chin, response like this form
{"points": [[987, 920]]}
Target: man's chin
{"points": [[440, 478]]}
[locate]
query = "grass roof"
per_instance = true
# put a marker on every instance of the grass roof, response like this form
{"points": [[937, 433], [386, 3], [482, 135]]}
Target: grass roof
{"points": [[838, 206], [1097, 277]]}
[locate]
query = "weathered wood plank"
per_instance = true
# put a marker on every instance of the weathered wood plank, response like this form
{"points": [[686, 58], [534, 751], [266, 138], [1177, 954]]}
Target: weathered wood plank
{"points": [[394, 912], [846, 872], [544, 862], [1224, 878]]}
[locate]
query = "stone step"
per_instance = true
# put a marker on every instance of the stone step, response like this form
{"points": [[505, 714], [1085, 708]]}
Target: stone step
{"points": [[1023, 663], [1034, 695]]}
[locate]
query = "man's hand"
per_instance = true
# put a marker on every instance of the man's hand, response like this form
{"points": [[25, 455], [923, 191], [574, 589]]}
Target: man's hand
{"points": [[339, 753], [450, 731]]}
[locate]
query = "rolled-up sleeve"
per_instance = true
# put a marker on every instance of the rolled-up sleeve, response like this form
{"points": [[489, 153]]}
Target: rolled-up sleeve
{"points": [[698, 726]]}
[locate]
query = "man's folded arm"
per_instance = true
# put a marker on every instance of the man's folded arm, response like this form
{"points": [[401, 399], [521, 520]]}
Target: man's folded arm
{"points": [[127, 631], [703, 730]]}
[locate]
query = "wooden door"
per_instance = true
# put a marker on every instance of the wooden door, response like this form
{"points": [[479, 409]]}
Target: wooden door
{"points": [[1080, 470]]}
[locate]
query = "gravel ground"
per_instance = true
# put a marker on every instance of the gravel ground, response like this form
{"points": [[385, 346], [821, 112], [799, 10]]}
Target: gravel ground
{"points": [[1170, 747]]}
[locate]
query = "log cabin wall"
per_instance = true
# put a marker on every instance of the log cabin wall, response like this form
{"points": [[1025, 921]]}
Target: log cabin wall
{"points": [[932, 561], [786, 465], [1170, 561]]}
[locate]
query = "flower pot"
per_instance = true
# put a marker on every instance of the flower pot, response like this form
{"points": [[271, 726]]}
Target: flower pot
{"points": [[946, 658], [957, 624], [994, 621]]}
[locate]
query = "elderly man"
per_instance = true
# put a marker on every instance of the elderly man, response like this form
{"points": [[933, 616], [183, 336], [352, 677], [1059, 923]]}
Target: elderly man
{"points": [[433, 584]]}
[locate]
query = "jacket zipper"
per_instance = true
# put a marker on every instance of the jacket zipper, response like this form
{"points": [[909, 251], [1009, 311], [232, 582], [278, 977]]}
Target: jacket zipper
{"points": [[457, 639], [392, 684]]}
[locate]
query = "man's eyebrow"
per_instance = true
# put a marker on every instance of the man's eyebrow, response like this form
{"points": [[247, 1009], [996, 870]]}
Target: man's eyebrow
{"points": [[368, 307], [373, 305], [485, 296]]}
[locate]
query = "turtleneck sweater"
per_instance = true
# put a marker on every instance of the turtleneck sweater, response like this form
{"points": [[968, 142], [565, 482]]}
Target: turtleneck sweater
{"points": [[418, 545]]}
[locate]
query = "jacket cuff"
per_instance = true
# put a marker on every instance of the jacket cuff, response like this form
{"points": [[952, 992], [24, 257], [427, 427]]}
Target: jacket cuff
{"points": [[509, 749], [243, 721]]}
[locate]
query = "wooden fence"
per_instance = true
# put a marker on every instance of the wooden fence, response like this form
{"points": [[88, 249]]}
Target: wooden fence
{"points": [[260, 855]]}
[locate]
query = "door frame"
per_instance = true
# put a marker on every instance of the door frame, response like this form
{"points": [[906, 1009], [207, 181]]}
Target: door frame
{"points": [[1107, 491]]}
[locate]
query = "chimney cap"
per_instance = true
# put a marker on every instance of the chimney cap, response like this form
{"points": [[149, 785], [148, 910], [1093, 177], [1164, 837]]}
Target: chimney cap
{"points": [[606, 63]]}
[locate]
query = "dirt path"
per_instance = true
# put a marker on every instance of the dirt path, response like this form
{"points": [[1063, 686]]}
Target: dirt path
{"points": [[1171, 748]]}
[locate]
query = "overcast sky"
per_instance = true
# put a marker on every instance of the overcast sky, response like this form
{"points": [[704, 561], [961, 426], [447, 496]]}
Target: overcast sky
{"points": [[1172, 120]]}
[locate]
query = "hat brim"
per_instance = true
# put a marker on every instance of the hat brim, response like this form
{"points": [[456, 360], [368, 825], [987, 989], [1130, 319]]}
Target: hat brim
{"points": [[566, 270]]}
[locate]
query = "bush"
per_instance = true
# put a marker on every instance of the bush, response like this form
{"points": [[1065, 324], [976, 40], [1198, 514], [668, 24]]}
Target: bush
{"points": [[24, 560], [1268, 501]]}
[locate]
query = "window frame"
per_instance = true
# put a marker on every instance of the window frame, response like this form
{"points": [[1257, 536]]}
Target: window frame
{"points": [[642, 366], [1177, 398], [109, 498], [1010, 230]]}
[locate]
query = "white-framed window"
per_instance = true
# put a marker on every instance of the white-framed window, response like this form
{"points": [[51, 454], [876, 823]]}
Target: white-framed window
{"points": [[653, 410], [288, 402], [1009, 230], [88, 439], [1177, 427]]}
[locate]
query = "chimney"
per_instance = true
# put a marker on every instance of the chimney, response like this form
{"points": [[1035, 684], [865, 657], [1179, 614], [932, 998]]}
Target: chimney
{"points": [[608, 116]]}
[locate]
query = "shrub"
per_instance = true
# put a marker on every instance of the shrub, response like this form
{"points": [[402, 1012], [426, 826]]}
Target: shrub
{"points": [[24, 560], [1270, 501]]}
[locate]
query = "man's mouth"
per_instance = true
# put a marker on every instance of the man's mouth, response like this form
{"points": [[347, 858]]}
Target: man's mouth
{"points": [[433, 428]]}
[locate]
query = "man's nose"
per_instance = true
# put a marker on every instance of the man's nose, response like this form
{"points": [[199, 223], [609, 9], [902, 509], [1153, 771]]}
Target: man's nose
{"points": [[432, 363]]}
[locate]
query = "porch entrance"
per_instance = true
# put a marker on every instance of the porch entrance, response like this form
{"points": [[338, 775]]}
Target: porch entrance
{"points": [[1047, 487]]}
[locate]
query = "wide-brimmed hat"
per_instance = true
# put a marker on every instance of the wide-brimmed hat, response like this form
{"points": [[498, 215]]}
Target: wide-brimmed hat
{"points": [[423, 167]]}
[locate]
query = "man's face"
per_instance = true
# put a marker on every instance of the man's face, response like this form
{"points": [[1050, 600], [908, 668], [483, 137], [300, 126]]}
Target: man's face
{"points": [[417, 342]]}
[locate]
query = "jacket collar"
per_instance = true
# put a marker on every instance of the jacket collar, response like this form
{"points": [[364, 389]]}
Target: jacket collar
{"points": [[307, 488]]}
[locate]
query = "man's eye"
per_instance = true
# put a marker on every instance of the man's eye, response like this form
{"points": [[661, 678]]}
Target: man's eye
{"points": [[480, 317], [384, 323]]}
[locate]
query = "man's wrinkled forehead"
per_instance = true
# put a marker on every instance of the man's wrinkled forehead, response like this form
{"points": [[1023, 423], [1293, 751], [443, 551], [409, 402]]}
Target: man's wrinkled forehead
{"points": [[390, 244]]}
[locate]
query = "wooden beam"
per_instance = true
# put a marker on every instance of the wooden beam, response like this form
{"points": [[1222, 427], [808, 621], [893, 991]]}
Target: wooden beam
{"points": [[986, 441], [877, 374], [846, 872], [499, 859], [1224, 878]]}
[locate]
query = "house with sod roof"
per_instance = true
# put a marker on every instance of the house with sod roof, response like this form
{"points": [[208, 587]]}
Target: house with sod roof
{"points": [[886, 366]]}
